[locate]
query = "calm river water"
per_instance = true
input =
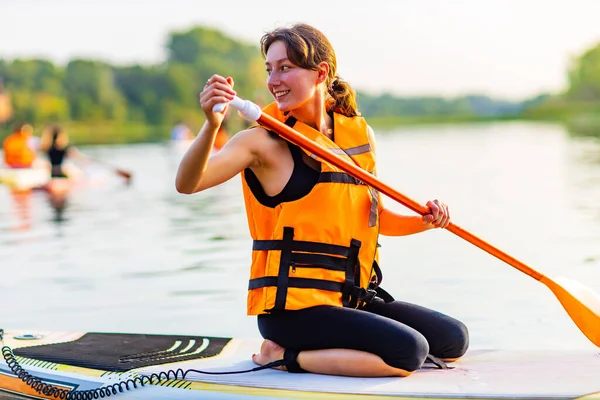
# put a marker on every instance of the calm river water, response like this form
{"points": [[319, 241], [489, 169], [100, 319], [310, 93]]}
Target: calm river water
{"points": [[143, 258]]}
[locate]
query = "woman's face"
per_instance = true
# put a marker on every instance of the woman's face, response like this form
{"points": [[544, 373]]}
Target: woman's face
{"points": [[61, 140], [290, 85], [26, 130]]}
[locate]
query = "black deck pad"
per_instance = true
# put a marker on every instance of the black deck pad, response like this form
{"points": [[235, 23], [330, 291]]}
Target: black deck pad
{"points": [[119, 352]]}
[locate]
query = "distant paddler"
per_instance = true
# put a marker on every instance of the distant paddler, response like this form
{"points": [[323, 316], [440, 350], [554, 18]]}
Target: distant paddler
{"points": [[19, 150], [181, 132], [56, 145], [182, 136]]}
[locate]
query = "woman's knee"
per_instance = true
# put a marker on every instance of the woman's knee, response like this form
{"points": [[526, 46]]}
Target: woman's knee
{"points": [[457, 341], [410, 353], [462, 339]]}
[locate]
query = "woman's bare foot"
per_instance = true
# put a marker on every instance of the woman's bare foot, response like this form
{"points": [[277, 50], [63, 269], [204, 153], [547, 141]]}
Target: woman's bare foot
{"points": [[269, 352]]}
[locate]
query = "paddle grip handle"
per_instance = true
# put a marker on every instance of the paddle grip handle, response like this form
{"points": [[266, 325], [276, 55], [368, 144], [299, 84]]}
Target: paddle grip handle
{"points": [[247, 109]]}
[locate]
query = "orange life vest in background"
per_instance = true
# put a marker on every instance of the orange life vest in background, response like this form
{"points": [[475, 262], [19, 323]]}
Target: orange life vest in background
{"points": [[221, 138], [17, 152], [322, 248]]}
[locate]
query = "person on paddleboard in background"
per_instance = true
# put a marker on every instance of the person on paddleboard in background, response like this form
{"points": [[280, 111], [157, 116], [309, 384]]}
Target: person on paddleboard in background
{"points": [[314, 276], [56, 145], [181, 132], [19, 147]]}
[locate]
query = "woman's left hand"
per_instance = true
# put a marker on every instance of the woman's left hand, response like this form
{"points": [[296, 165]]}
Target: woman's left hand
{"points": [[438, 216]]}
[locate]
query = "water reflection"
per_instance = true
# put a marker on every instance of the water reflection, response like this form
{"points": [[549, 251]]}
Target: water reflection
{"points": [[584, 176], [584, 126], [21, 206], [58, 202]]}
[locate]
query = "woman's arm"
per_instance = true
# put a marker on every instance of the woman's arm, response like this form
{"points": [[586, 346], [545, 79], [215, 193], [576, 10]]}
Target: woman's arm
{"points": [[394, 224], [197, 170], [74, 153]]}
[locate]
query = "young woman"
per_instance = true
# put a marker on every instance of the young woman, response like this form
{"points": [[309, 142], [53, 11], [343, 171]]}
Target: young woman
{"points": [[56, 145], [314, 271]]}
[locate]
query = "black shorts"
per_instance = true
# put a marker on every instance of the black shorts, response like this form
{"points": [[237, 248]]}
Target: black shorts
{"points": [[402, 334]]}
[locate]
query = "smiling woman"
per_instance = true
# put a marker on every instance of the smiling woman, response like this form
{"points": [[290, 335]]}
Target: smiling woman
{"points": [[287, 65], [314, 276]]}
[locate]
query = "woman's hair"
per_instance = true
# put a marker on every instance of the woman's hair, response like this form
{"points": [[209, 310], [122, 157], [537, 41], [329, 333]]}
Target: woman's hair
{"points": [[23, 127], [53, 136], [307, 47]]}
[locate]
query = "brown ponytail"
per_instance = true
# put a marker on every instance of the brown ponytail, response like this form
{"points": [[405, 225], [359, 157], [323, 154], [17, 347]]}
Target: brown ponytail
{"points": [[344, 97], [307, 47]]}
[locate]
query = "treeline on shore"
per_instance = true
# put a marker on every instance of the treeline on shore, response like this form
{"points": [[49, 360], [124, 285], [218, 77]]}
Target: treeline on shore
{"points": [[103, 103]]}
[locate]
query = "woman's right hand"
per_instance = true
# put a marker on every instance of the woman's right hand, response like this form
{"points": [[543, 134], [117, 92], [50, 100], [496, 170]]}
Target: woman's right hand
{"points": [[217, 90]]}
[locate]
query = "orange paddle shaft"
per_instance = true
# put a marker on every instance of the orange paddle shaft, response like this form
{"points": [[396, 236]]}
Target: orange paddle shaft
{"points": [[359, 173]]}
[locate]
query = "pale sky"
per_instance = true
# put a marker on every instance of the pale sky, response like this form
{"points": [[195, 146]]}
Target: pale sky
{"points": [[504, 48]]}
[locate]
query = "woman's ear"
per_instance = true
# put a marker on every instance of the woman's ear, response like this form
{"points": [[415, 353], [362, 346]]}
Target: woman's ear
{"points": [[323, 72]]}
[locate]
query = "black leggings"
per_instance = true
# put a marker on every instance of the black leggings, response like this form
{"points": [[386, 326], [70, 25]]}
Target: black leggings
{"points": [[402, 334]]}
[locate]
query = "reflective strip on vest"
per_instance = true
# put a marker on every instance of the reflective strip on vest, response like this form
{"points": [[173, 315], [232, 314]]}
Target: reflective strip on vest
{"points": [[353, 151]]}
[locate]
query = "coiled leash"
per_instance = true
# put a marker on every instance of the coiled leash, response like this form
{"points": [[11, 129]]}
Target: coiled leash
{"points": [[289, 361], [119, 387]]}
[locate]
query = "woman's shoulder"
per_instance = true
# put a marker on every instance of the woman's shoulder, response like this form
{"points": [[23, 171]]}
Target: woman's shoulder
{"points": [[258, 136], [265, 145], [254, 130], [371, 137]]}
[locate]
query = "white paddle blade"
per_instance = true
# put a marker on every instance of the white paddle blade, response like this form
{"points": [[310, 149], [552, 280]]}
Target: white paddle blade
{"points": [[584, 294], [581, 303]]}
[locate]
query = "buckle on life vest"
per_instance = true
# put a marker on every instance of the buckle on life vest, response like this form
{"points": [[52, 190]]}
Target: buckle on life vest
{"points": [[366, 296]]}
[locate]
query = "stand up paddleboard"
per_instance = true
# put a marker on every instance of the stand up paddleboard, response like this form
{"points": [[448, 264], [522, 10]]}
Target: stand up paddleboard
{"points": [[97, 365]]}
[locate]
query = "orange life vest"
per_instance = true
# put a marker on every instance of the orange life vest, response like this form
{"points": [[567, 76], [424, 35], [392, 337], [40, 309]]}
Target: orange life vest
{"points": [[221, 139], [17, 152], [322, 248]]}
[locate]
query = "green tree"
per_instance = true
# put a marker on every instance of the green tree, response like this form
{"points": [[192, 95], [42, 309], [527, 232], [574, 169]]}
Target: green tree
{"points": [[584, 76], [33, 75], [209, 51], [91, 92]]}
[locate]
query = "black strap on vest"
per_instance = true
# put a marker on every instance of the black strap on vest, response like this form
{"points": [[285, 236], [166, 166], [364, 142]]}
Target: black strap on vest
{"points": [[375, 285], [301, 283], [352, 280], [366, 296], [290, 121], [303, 254], [284, 263], [383, 295], [299, 245]]}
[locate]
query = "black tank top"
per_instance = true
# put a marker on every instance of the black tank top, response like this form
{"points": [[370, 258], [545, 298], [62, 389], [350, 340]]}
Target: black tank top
{"points": [[56, 157], [301, 182]]}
